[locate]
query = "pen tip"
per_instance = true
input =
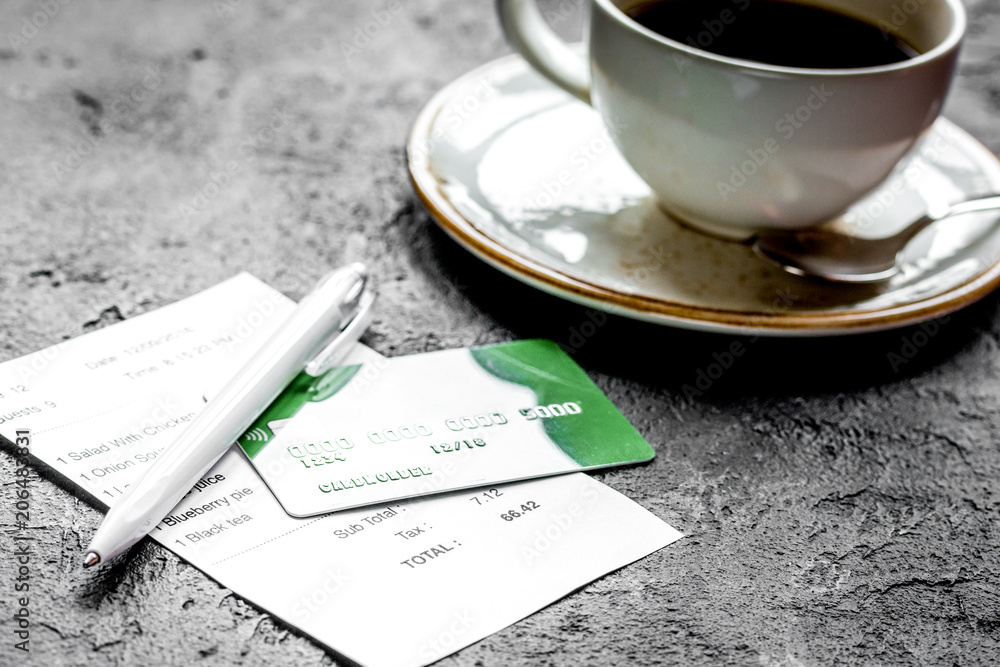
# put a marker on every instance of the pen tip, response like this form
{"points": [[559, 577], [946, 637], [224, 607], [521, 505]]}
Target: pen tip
{"points": [[91, 559]]}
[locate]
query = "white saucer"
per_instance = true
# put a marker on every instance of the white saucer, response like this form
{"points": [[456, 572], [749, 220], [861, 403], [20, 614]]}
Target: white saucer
{"points": [[526, 178]]}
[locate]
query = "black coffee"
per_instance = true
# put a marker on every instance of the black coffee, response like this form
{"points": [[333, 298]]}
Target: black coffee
{"points": [[776, 32]]}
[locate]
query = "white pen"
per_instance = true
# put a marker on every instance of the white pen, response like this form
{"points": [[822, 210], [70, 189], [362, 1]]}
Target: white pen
{"points": [[317, 334]]}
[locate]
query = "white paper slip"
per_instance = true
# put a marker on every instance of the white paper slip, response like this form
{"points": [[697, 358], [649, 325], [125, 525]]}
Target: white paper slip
{"points": [[438, 571]]}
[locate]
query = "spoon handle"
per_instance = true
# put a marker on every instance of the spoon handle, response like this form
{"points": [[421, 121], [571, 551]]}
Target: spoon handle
{"points": [[972, 205], [987, 203]]}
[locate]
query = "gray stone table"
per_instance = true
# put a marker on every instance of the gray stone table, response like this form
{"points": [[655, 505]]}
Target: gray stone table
{"points": [[838, 511]]}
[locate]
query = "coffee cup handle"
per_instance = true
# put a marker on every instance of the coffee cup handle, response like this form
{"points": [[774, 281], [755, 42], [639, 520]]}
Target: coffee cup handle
{"points": [[530, 36]]}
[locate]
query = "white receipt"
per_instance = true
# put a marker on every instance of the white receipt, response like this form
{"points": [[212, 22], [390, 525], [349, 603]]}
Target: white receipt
{"points": [[442, 572]]}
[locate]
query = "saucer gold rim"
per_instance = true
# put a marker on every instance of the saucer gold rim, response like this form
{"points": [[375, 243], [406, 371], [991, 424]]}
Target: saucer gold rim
{"points": [[428, 186]]}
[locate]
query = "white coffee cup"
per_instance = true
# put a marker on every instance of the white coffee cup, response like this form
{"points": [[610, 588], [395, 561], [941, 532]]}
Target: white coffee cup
{"points": [[733, 146]]}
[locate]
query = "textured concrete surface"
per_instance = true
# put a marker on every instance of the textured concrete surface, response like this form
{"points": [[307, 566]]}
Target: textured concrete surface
{"points": [[840, 511]]}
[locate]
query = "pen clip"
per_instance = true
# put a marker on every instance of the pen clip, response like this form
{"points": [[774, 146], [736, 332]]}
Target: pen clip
{"points": [[349, 334]]}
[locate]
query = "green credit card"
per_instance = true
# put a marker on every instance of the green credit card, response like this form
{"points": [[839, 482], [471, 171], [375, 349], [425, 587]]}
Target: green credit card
{"points": [[436, 422]]}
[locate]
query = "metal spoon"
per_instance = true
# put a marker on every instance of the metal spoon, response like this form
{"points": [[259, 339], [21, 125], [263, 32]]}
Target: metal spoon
{"points": [[839, 257]]}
